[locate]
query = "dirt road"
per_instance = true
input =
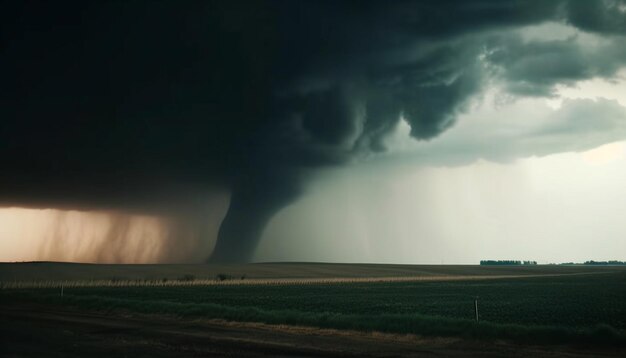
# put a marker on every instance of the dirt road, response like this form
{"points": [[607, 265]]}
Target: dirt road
{"points": [[47, 331]]}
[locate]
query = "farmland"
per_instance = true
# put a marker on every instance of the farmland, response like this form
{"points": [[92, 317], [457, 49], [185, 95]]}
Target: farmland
{"points": [[51, 271], [543, 304]]}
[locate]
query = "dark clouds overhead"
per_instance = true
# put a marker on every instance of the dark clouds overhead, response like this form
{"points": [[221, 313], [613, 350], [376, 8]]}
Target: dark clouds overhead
{"points": [[518, 130], [535, 68], [606, 16], [127, 104]]}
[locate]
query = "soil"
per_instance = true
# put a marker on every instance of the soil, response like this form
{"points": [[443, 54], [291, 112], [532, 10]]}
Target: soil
{"points": [[29, 330]]}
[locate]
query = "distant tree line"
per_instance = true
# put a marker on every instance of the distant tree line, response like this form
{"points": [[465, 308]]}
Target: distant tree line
{"points": [[596, 263], [506, 262], [591, 262], [519, 263], [612, 262]]}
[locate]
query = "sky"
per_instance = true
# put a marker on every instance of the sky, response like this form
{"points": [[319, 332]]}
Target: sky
{"points": [[351, 131], [566, 206]]}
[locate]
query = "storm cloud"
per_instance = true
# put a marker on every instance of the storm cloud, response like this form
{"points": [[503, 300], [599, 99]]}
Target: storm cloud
{"points": [[141, 106]]}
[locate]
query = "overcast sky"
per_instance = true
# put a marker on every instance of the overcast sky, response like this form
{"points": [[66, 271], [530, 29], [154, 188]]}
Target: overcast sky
{"points": [[410, 131]]}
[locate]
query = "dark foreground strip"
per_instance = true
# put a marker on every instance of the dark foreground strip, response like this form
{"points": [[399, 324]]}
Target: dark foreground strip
{"points": [[30, 330]]}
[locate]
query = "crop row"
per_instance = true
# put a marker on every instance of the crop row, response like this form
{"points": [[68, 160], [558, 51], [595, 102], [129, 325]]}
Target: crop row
{"points": [[183, 281]]}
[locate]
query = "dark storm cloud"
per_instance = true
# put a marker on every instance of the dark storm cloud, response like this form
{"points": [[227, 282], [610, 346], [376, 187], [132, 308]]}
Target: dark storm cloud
{"points": [[122, 104], [534, 68], [606, 16], [521, 132]]}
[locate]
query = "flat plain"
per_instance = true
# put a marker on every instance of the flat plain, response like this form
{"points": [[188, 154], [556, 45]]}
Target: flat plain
{"points": [[581, 310]]}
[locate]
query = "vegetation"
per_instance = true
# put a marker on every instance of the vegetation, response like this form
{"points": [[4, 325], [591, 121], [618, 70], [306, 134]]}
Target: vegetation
{"points": [[581, 307], [612, 262], [506, 262], [54, 271]]}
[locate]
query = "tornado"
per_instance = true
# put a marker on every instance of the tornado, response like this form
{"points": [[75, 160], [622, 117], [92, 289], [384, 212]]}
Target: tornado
{"points": [[148, 108], [254, 201]]}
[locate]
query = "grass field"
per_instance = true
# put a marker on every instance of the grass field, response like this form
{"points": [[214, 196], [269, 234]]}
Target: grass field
{"points": [[582, 304], [50, 271]]}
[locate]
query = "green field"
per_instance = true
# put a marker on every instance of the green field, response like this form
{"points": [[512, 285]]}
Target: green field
{"points": [[52, 271], [573, 304]]}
